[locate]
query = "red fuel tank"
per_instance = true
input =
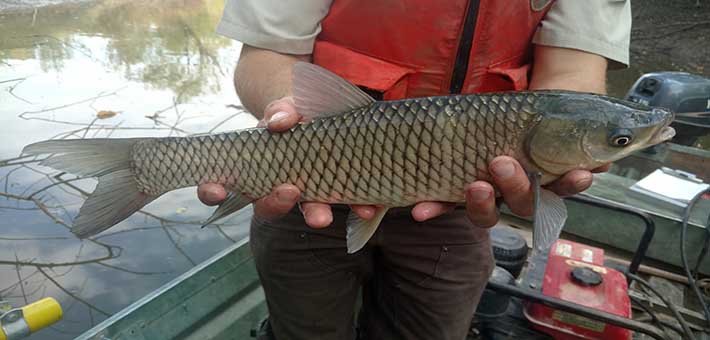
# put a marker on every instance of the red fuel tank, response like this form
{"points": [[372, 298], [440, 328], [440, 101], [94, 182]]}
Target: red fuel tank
{"points": [[575, 273]]}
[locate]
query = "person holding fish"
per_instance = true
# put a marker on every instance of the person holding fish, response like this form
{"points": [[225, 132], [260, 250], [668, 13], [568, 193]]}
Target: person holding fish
{"points": [[388, 129], [424, 269]]}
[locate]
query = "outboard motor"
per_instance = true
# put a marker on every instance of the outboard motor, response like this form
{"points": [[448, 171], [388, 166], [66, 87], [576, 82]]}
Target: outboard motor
{"points": [[687, 95]]}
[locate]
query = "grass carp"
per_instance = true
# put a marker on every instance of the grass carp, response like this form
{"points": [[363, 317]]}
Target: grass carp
{"points": [[355, 150]]}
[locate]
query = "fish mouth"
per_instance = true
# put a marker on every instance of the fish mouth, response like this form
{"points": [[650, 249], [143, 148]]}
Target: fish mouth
{"points": [[665, 134]]}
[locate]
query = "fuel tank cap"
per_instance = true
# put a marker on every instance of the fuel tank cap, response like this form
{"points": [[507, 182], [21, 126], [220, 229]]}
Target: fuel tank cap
{"points": [[586, 277]]}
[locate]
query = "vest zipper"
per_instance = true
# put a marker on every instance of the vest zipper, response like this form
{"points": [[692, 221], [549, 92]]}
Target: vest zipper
{"points": [[464, 50]]}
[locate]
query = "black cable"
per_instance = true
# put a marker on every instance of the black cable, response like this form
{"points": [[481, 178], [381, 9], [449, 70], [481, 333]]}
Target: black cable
{"points": [[660, 323], [686, 329], [684, 259], [704, 251]]}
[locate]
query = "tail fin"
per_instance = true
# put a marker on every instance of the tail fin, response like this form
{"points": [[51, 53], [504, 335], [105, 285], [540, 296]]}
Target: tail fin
{"points": [[116, 197]]}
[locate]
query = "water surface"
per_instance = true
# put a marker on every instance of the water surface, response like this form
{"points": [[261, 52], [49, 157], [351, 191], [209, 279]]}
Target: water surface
{"points": [[118, 69]]}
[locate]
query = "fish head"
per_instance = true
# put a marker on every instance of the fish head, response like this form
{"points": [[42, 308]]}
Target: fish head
{"points": [[584, 131]]}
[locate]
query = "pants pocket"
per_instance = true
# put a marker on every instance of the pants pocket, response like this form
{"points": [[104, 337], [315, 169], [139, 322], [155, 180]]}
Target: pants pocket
{"points": [[461, 266]]}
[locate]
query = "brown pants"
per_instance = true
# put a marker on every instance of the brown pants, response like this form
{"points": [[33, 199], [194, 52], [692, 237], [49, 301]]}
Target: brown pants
{"points": [[420, 280]]}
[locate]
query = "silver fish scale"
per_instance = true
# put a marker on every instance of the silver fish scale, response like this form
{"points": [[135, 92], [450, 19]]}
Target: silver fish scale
{"points": [[390, 153]]}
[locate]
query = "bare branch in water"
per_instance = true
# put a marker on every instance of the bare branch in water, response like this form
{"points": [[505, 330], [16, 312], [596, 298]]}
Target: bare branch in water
{"points": [[178, 247], [3, 291], [131, 271], [19, 161], [88, 127], [34, 17], [39, 205], [224, 121], [74, 296], [32, 195], [54, 264], [219, 229], [110, 250], [19, 279], [38, 238], [12, 89], [81, 48], [24, 115], [11, 80]]}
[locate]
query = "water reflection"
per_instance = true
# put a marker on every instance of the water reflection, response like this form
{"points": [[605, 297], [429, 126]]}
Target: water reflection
{"points": [[164, 44], [107, 69]]}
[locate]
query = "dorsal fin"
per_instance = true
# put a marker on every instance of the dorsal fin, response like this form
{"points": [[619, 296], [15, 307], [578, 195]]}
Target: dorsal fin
{"points": [[320, 93]]}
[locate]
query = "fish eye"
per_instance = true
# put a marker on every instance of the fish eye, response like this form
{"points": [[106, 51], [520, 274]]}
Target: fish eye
{"points": [[621, 137]]}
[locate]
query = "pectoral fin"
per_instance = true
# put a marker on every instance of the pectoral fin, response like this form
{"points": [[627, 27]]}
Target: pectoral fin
{"points": [[232, 204], [549, 219], [360, 230]]}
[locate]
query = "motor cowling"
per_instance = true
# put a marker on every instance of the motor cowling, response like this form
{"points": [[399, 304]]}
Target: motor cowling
{"points": [[687, 95]]}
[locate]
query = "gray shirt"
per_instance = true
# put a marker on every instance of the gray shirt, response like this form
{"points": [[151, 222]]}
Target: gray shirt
{"points": [[601, 27]]}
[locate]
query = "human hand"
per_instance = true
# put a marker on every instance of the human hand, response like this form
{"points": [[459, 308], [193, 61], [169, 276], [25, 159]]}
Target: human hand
{"points": [[512, 181], [280, 115]]}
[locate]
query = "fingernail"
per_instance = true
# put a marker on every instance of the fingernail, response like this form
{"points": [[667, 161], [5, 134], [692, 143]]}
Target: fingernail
{"points": [[426, 212], [583, 184], [214, 197], [278, 116], [479, 195], [504, 169], [286, 196]]}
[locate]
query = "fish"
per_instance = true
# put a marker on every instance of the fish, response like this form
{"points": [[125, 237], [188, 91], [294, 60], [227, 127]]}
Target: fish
{"points": [[351, 149]]}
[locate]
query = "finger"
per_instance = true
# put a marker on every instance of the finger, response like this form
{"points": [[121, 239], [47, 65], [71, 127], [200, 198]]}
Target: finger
{"points": [[481, 206], [513, 183], [365, 212], [282, 121], [572, 183], [427, 210], [279, 202], [317, 215], [211, 193], [280, 115], [603, 168]]}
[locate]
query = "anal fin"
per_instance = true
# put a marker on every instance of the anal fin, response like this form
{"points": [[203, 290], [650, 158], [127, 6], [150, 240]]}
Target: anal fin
{"points": [[360, 230], [232, 204]]}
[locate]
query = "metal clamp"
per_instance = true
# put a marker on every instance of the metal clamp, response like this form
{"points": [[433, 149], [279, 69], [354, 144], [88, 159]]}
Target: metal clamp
{"points": [[14, 325]]}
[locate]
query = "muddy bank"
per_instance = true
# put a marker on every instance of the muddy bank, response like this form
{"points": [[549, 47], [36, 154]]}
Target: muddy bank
{"points": [[672, 33], [666, 36]]}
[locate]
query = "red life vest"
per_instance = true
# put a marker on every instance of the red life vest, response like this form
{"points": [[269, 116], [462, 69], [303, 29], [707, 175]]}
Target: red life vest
{"points": [[416, 48]]}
